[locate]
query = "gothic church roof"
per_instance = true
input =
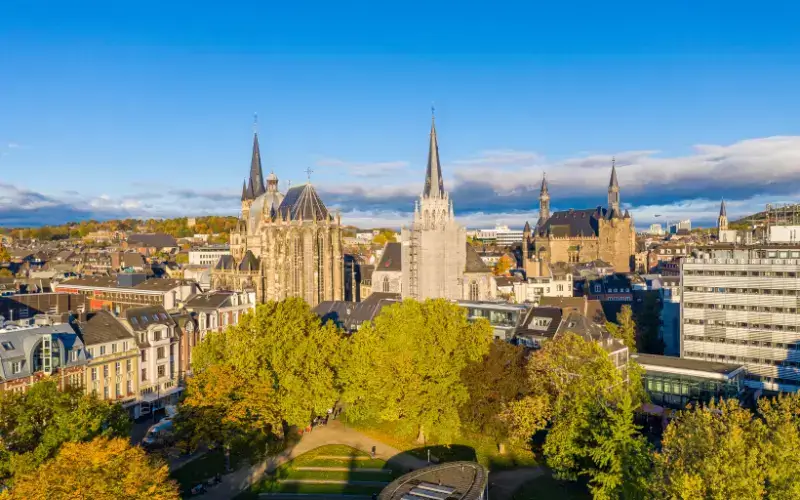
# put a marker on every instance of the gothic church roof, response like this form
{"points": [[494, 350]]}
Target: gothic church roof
{"points": [[249, 262], [474, 263], [303, 202], [390, 260]]}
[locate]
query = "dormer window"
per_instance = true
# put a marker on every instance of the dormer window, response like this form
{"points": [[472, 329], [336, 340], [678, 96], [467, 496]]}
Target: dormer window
{"points": [[163, 316], [134, 320]]}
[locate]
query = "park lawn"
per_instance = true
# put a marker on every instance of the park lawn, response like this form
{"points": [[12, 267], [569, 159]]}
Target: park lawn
{"points": [[469, 446], [272, 483], [546, 487]]}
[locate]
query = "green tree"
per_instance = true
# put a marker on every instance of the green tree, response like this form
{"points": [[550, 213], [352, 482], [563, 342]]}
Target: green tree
{"points": [[96, 470], [35, 424], [406, 367], [713, 451], [282, 346], [625, 328], [182, 258], [576, 382], [782, 446], [492, 383], [621, 462]]}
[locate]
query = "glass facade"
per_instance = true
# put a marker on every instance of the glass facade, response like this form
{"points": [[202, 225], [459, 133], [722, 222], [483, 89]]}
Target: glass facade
{"points": [[676, 391]]}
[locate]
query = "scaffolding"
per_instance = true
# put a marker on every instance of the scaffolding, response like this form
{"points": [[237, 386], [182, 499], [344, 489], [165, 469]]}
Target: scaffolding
{"points": [[782, 214]]}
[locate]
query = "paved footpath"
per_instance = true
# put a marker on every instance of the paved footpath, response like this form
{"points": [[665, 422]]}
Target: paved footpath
{"points": [[333, 433]]}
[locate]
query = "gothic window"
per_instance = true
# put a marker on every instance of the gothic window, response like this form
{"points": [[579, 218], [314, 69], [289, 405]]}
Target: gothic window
{"points": [[386, 284], [473, 291], [444, 216], [427, 218]]}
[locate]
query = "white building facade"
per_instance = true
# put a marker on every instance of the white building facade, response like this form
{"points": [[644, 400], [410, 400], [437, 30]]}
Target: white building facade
{"points": [[740, 305], [208, 256]]}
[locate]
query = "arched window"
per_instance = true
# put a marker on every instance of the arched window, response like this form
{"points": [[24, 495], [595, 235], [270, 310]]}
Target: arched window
{"points": [[473, 291], [386, 284], [427, 219]]}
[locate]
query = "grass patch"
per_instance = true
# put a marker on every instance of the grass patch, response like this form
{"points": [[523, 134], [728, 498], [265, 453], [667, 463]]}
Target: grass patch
{"points": [[546, 487], [470, 447], [272, 484]]}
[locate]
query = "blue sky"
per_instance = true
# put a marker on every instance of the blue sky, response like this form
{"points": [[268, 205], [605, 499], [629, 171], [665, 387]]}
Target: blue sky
{"points": [[146, 110]]}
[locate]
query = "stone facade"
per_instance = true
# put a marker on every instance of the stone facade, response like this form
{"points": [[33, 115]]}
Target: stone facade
{"points": [[284, 245], [435, 260], [578, 236]]}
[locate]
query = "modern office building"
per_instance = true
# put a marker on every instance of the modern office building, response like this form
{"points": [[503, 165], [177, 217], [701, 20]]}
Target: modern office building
{"points": [[208, 256], [674, 382], [740, 306]]}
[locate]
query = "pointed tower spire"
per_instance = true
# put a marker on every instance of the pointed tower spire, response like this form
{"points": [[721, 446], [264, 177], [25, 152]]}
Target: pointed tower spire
{"points": [[244, 190], [256, 173], [251, 195], [544, 202], [613, 191], [434, 185], [613, 182], [722, 220]]}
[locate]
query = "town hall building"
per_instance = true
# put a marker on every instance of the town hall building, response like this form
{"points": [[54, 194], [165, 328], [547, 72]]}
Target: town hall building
{"points": [[579, 236]]}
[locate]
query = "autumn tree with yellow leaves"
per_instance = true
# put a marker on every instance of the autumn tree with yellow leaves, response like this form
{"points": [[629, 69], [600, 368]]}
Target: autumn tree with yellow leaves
{"points": [[100, 469]]}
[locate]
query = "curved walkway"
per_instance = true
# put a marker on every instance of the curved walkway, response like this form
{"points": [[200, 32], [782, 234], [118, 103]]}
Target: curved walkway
{"points": [[334, 433]]}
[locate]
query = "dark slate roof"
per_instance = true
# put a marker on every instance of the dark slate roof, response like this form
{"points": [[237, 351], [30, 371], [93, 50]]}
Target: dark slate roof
{"points": [[225, 262], [572, 223], [554, 314], [474, 262], [392, 255], [102, 327], [142, 317], [132, 259], [249, 262], [722, 210], [208, 300], [95, 281], [350, 315], [303, 202], [592, 309], [156, 240], [159, 285]]}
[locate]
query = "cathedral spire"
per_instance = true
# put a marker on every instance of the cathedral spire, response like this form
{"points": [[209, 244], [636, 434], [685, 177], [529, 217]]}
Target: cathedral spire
{"points": [[244, 190], [723, 211], [434, 186], [544, 183], [256, 173]]}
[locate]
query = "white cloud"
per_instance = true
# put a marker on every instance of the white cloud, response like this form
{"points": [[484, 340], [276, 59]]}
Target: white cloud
{"points": [[368, 169]]}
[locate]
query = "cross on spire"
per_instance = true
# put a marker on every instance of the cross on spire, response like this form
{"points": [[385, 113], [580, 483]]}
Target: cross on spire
{"points": [[255, 123], [308, 174]]}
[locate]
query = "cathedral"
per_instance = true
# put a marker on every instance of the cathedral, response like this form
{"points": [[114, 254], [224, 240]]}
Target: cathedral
{"points": [[283, 245], [578, 236], [433, 259]]}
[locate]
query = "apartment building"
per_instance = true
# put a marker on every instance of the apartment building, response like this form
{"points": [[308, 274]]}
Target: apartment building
{"points": [[28, 355], [157, 338], [740, 305], [113, 358]]}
